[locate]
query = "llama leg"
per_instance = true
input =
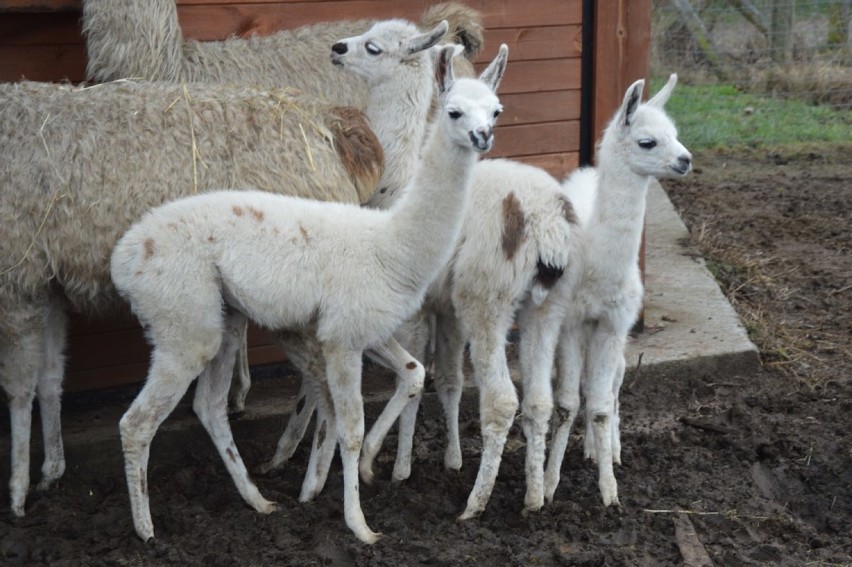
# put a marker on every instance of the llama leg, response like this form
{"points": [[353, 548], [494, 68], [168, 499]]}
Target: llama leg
{"points": [[449, 383], [417, 342], [211, 407], [50, 396], [304, 353], [410, 374], [498, 403], [616, 417], [21, 348], [169, 377], [570, 368], [537, 345], [605, 351], [241, 376], [344, 382], [324, 442], [296, 427]]}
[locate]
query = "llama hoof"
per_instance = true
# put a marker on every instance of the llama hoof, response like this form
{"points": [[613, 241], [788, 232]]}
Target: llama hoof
{"points": [[18, 511], [266, 468], [146, 532], [366, 470], [401, 473], [267, 507], [453, 460], [532, 504], [469, 514], [368, 536]]}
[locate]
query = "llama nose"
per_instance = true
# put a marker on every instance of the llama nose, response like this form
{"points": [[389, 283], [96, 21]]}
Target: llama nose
{"points": [[482, 138], [340, 48], [685, 163]]}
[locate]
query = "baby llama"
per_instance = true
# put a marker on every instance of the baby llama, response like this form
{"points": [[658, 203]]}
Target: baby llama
{"points": [[584, 321], [285, 263]]}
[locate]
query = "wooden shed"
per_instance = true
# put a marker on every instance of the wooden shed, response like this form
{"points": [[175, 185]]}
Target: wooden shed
{"points": [[569, 64]]}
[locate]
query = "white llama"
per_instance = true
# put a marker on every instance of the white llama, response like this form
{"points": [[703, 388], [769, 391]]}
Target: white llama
{"points": [[585, 322], [285, 263]]}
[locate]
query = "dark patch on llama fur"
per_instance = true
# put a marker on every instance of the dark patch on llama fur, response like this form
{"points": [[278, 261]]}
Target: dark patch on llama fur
{"points": [[231, 455], [238, 210], [149, 248], [411, 365], [514, 225], [304, 234], [568, 209], [258, 215], [358, 148], [321, 434], [547, 275]]}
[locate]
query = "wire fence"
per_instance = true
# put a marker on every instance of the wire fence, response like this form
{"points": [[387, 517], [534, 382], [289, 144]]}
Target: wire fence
{"points": [[781, 48]]}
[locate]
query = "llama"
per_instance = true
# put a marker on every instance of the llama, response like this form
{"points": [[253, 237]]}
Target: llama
{"points": [[144, 40], [73, 184], [585, 322], [355, 273]]}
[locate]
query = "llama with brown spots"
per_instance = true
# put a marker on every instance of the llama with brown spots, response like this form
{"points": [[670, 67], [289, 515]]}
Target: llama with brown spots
{"points": [[584, 322], [362, 273], [518, 238]]}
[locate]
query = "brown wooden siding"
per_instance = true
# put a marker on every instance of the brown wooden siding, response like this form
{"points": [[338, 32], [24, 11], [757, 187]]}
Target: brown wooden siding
{"points": [[41, 40]]}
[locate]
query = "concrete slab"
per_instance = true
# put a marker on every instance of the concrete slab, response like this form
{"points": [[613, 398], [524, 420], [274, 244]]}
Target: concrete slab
{"points": [[689, 324]]}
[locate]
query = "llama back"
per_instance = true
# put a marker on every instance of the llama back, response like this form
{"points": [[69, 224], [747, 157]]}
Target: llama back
{"points": [[80, 165], [144, 40], [524, 223]]}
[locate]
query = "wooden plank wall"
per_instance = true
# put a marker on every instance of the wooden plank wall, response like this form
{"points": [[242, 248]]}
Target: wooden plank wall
{"points": [[41, 40]]}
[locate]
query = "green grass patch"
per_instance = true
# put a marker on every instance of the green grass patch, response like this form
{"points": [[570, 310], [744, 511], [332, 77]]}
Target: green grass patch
{"points": [[713, 116]]}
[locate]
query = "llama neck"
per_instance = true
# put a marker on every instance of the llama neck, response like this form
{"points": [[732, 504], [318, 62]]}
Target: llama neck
{"points": [[619, 214], [427, 217], [399, 121]]}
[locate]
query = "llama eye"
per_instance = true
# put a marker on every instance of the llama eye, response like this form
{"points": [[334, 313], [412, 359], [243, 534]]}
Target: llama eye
{"points": [[497, 113], [372, 48], [455, 114], [647, 144]]}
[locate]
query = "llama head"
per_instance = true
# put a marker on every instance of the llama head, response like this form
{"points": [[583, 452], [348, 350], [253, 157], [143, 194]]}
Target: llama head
{"points": [[470, 106], [386, 50], [644, 135]]}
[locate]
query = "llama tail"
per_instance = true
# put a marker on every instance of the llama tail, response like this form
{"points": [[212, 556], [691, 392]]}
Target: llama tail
{"points": [[581, 187], [465, 25], [555, 236]]}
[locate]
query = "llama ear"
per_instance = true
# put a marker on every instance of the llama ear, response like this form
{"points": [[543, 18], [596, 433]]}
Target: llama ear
{"points": [[428, 39], [444, 68], [631, 102], [492, 75], [659, 100]]}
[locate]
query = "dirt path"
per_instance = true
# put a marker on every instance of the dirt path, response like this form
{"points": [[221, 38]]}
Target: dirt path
{"points": [[733, 470]]}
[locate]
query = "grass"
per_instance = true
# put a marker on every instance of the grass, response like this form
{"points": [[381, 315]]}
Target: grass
{"points": [[714, 116]]}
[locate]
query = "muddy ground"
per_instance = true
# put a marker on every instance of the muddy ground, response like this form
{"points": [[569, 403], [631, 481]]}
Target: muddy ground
{"points": [[743, 470]]}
